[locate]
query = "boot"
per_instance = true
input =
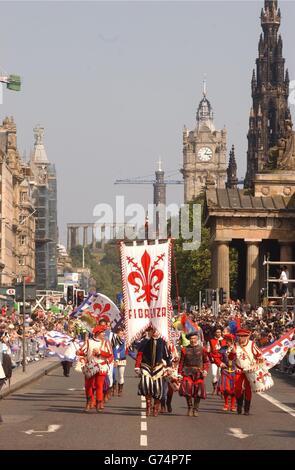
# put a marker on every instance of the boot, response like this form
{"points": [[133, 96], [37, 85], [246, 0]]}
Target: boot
{"points": [[247, 407], [163, 406], [190, 411], [148, 406], [114, 390], [233, 403], [156, 409], [214, 392], [88, 404], [168, 403], [226, 398], [240, 404], [120, 390], [196, 406], [99, 406]]}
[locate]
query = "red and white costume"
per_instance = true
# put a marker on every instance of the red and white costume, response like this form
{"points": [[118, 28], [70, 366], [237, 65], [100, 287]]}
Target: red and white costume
{"points": [[246, 357], [97, 356]]}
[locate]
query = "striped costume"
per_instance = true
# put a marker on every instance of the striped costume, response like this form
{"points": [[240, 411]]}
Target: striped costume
{"points": [[151, 354]]}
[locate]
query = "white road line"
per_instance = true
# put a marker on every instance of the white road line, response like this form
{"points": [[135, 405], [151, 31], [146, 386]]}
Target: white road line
{"points": [[142, 398], [143, 405], [143, 440], [143, 415], [277, 403], [143, 426]]}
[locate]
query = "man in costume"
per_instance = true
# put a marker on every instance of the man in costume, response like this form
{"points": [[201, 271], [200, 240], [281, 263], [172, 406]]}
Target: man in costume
{"points": [[193, 366], [246, 355], [97, 355], [226, 384], [120, 351], [216, 343], [152, 357]]}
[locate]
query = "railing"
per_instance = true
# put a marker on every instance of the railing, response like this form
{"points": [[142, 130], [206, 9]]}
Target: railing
{"points": [[34, 351]]}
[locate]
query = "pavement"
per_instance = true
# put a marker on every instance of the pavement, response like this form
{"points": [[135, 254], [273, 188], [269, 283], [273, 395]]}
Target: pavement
{"points": [[34, 370], [49, 414]]}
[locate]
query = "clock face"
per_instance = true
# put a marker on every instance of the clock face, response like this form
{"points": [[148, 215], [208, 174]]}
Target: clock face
{"points": [[205, 154]]}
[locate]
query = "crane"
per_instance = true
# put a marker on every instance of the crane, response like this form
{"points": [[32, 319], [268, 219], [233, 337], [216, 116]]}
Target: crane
{"points": [[158, 182], [13, 82]]}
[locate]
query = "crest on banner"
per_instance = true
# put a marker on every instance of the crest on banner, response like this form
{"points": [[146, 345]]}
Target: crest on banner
{"points": [[146, 280]]}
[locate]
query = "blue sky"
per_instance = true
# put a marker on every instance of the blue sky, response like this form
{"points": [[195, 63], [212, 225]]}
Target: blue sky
{"points": [[113, 83]]}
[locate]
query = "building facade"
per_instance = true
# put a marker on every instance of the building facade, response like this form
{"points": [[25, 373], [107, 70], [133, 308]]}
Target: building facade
{"points": [[204, 152], [17, 211], [44, 192]]}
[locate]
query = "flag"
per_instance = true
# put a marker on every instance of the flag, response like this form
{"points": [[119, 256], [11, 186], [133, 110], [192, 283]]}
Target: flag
{"points": [[61, 345], [146, 280], [96, 305], [275, 352]]}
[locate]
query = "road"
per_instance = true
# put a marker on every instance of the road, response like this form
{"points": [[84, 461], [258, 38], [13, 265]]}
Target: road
{"points": [[56, 403]]}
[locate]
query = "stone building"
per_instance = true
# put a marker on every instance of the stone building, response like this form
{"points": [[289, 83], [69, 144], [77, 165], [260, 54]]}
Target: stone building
{"points": [[44, 192], [259, 220], [17, 243], [204, 152]]}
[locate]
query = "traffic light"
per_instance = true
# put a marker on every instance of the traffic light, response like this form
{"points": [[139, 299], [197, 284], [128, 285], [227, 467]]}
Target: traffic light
{"points": [[222, 296], [79, 297], [213, 296], [70, 295]]}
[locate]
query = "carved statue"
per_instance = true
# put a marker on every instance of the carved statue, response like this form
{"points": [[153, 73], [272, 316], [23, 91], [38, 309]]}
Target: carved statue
{"points": [[282, 156], [286, 160]]}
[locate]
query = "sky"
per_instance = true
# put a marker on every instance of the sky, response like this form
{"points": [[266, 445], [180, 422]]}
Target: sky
{"points": [[113, 84]]}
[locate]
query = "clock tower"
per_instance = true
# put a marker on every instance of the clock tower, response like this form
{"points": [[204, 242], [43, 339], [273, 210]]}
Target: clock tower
{"points": [[204, 152]]}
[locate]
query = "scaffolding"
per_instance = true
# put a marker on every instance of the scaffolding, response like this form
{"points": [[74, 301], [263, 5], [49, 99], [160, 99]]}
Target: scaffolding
{"points": [[277, 301]]}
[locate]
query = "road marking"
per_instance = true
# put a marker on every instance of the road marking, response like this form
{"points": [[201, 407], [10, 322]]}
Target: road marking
{"points": [[143, 426], [143, 440], [143, 415], [142, 398], [143, 405], [277, 403], [238, 432], [51, 428]]}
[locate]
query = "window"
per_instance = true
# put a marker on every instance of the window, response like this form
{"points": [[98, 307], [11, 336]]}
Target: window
{"points": [[23, 240], [21, 219], [23, 196], [21, 261]]}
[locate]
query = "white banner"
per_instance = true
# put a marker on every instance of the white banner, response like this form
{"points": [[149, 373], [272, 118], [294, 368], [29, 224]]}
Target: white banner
{"points": [[146, 279]]}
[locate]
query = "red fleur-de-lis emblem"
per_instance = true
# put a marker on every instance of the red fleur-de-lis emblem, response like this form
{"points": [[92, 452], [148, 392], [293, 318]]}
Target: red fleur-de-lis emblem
{"points": [[146, 278], [260, 376]]}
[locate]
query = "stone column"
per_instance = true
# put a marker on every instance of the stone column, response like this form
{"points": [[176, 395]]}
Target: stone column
{"points": [[85, 236], [252, 272], [103, 236], [222, 266], [68, 239], [93, 237], [73, 237], [213, 266]]}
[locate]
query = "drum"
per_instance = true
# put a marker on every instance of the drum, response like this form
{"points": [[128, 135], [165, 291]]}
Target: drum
{"points": [[259, 378]]}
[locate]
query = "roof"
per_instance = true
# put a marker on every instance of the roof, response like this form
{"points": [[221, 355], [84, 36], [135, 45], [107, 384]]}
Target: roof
{"points": [[239, 199]]}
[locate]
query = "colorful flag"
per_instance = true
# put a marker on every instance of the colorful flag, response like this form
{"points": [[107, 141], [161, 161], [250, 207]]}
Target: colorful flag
{"points": [[275, 352], [146, 279], [96, 305]]}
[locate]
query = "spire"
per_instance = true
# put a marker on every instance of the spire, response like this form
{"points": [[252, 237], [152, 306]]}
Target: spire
{"points": [[205, 112], [39, 153], [204, 87], [232, 180], [270, 14]]}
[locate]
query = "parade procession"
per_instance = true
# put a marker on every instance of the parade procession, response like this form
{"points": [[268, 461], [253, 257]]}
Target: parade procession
{"points": [[147, 325]]}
